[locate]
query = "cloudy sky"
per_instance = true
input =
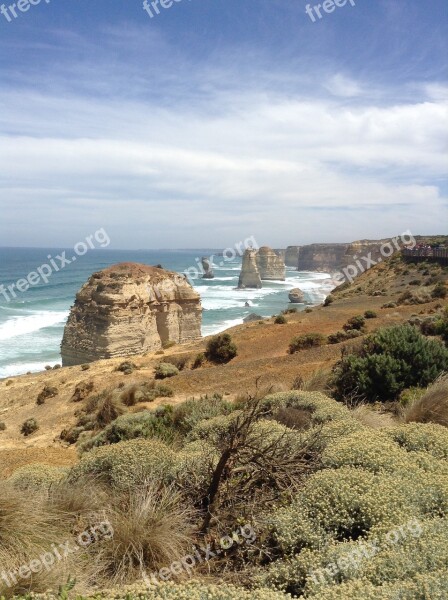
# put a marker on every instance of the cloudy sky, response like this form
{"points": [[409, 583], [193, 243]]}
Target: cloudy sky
{"points": [[217, 120]]}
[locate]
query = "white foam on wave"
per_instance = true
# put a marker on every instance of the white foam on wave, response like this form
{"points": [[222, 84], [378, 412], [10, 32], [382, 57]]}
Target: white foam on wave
{"points": [[218, 327], [21, 368], [20, 325]]}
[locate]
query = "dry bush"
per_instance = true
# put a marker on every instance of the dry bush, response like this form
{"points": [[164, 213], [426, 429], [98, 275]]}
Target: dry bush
{"points": [[106, 407], [293, 418], [367, 416], [432, 407], [152, 528]]}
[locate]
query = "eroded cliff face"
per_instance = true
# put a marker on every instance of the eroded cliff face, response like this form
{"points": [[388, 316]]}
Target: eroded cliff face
{"points": [[333, 257], [322, 257], [270, 265], [130, 309], [292, 256], [250, 275]]}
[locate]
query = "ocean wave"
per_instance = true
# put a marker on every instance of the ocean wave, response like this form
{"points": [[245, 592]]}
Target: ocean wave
{"points": [[21, 325], [21, 368]]}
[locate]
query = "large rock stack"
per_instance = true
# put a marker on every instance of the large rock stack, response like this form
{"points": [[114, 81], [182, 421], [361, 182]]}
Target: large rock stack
{"points": [[270, 265], [130, 309], [250, 275]]}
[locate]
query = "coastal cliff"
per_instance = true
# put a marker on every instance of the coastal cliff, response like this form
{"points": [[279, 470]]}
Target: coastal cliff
{"points": [[322, 257], [292, 256], [270, 265], [130, 309]]}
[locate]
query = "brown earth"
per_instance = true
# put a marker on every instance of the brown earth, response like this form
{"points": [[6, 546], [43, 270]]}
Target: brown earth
{"points": [[262, 356]]}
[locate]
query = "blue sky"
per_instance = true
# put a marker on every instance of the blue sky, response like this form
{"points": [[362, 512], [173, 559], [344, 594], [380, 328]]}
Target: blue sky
{"points": [[217, 120]]}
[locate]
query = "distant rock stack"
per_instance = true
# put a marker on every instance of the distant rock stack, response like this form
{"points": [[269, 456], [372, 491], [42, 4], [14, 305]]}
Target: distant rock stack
{"points": [[207, 267], [130, 309], [250, 275], [292, 256], [270, 265], [296, 296]]}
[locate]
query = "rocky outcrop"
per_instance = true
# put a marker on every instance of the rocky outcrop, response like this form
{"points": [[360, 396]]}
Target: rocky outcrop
{"points": [[250, 275], [292, 256], [207, 267], [130, 309], [363, 248], [270, 265], [296, 296]]}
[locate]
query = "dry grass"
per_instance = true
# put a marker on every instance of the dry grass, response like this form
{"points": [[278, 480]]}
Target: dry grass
{"points": [[372, 418], [432, 407], [152, 528], [318, 381]]}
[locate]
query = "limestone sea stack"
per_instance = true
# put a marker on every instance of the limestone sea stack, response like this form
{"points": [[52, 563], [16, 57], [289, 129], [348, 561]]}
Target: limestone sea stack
{"points": [[250, 275], [296, 296], [270, 265], [292, 256], [130, 309], [207, 267]]}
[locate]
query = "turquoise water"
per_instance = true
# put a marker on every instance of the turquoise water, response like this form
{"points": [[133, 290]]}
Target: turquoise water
{"points": [[31, 325]]}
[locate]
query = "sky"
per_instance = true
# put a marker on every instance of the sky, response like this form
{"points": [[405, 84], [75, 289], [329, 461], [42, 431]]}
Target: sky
{"points": [[217, 120]]}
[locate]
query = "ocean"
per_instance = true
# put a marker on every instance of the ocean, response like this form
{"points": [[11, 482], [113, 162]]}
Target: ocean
{"points": [[32, 324]]}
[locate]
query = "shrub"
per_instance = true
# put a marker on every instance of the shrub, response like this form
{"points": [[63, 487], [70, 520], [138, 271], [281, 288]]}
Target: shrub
{"points": [[198, 361], [168, 344], [421, 437], [439, 291], [2, 426], [106, 406], [329, 300], [144, 392], [280, 320], [307, 340], [290, 311], [417, 297], [127, 367], [144, 424], [165, 370], [358, 323], [85, 367], [82, 391], [48, 392], [188, 414], [28, 427], [388, 362], [180, 362], [389, 305], [221, 349], [125, 464], [35, 477], [431, 406], [370, 314], [308, 310], [342, 336]]}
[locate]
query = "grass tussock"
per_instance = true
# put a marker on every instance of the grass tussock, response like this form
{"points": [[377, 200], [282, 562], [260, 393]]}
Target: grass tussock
{"points": [[432, 407]]}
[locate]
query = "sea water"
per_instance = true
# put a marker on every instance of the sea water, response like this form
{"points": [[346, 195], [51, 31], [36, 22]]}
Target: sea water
{"points": [[32, 324]]}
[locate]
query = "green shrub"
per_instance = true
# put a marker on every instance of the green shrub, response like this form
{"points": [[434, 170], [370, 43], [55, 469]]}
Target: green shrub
{"points": [[307, 340], [125, 464], [355, 323], [342, 336], [388, 362], [146, 424], [370, 314], [329, 300], [221, 349], [165, 370], [36, 477], [418, 437], [127, 367], [439, 291], [28, 427], [198, 361], [188, 414], [280, 320]]}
